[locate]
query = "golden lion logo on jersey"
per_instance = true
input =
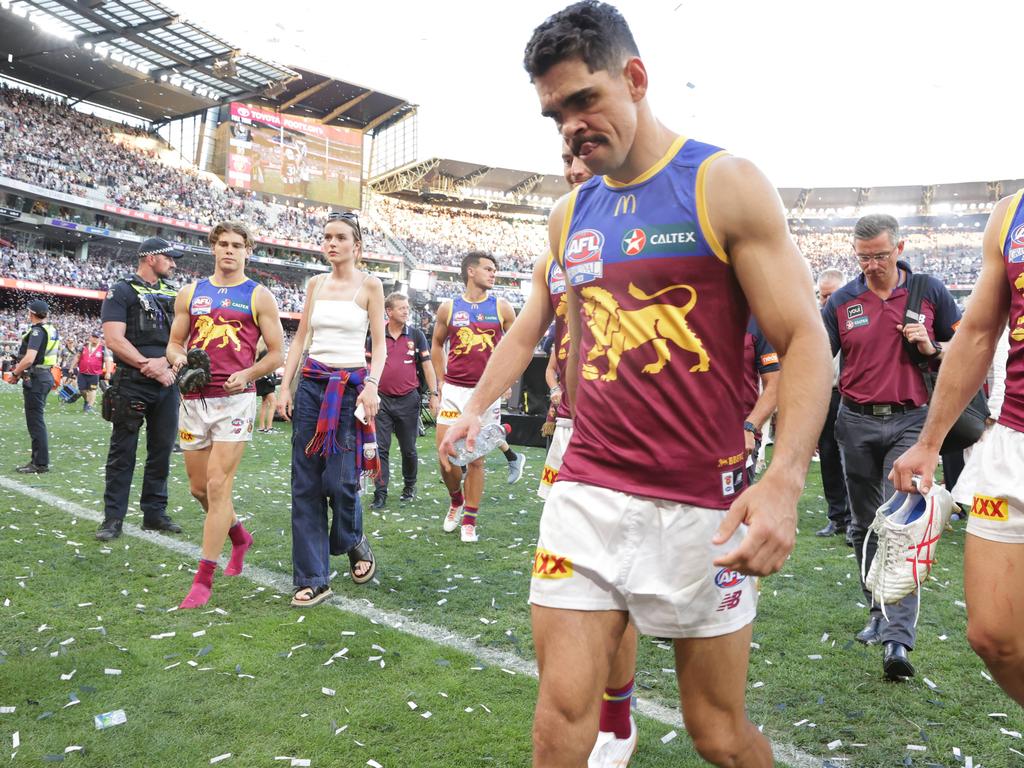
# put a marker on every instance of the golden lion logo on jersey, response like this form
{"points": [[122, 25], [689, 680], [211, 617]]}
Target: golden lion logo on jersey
{"points": [[617, 331], [209, 330], [470, 340]]}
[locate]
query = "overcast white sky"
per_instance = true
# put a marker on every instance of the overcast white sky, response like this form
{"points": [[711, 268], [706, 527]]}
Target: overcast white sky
{"points": [[817, 93]]}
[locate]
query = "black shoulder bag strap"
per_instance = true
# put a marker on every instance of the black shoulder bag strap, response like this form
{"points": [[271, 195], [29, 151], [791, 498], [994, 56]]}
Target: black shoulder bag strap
{"points": [[912, 314]]}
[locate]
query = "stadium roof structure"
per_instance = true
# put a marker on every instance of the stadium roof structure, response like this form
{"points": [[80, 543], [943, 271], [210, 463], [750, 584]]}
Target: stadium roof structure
{"points": [[337, 102], [134, 56], [927, 198], [457, 182]]}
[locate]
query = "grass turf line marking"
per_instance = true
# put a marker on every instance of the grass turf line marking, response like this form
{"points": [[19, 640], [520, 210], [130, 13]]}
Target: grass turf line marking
{"points": [[786, 753]]}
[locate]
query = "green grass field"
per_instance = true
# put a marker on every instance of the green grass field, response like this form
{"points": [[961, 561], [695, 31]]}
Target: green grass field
{"points": [[248, 676]]}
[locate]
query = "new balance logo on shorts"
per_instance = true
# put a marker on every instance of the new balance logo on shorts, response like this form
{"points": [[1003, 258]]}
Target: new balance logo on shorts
{"points": [[987, 508], [548, 565]]}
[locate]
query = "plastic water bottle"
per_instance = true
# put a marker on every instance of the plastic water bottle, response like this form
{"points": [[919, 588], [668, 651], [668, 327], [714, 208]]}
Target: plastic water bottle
{"points": [[486, 441]]}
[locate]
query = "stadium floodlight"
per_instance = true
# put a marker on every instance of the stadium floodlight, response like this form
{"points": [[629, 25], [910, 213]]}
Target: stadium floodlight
{"points": [[5, 4], [20, 9], [88, 46]]}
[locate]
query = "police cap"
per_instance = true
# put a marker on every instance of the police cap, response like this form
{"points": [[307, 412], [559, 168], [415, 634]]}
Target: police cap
{"points": [[157, 246], [39, 308]]}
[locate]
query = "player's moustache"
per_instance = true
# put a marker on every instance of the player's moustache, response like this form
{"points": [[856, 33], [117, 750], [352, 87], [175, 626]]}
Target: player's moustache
{"points": [[578, 143]]}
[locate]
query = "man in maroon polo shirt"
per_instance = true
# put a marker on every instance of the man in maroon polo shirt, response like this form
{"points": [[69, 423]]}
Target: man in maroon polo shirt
{"points": [[883, 398], [408, 351]]}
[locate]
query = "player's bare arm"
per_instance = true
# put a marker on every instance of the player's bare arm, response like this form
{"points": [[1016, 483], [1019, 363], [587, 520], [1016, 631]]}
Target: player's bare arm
{"points": [[179, 327], [551, 378], [438, 339], [748, 219], [967, 358]]}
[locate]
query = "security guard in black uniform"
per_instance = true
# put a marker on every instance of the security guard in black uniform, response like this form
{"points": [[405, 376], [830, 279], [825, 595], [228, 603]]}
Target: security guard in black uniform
{"points": [[38, 354], [137, 315]]}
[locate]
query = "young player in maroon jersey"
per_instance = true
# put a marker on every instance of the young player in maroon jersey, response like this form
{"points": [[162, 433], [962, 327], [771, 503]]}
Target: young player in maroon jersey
{"points": [[994, 550], [225, 315], [470, 324], [666, 257]]}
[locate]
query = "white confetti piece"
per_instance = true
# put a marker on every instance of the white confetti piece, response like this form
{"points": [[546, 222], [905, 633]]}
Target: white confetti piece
{"points": [[111, 671], [327, 691], [916, 748], [814, 657], [16, 739], [72, 748], [968, 762], [986, 675], [997, 714], [943, 637], [668, 737], [69, 675], [110, 719], [218, 758], [834, 745], [69, 641], [957, 753], [162, 635], [798, 723], [374, 764], [302, 618], [412, 705], [200, 633], [929, 683], [1014, 734], [426, 715], [758, 684], [824, 638], [300, 762]]}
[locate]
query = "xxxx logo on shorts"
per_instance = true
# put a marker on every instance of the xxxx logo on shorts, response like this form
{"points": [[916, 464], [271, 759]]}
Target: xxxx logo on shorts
{"points": [[449, 414], [987, 508], [549, 476], [548, 565], [186, 437]]}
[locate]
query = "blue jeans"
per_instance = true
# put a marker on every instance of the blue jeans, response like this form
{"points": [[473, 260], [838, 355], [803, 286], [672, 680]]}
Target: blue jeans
{"points": [[317, 480]]}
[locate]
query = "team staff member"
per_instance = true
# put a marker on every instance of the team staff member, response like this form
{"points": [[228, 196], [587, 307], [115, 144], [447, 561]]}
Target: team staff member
{"points": [[994, 548], [38, 354], [408, 352], [225, 315], [90, 365], [760, 390], [883, 398], [833, 479], [137, 315], [470, 324]]}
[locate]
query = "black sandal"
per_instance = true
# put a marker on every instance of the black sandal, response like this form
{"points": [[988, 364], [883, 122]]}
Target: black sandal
{"points": [[316, 596], [361, 553]]}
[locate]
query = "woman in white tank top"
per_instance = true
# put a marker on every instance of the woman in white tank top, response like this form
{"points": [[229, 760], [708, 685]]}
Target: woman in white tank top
{"points": [[329, 447]]}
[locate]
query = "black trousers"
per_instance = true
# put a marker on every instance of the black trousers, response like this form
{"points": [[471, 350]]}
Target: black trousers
{"points": [[399, 416], [37, 385], [833, 478], [160, 414]]}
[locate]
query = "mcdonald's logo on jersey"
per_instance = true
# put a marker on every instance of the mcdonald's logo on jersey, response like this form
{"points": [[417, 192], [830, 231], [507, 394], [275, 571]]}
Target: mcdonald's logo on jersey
{"points": [[625, 204]]}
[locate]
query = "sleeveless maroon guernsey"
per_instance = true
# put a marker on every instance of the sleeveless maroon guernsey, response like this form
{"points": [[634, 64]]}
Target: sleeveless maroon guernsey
{"points": [[222, 321], [659, 409], [474, 329]]}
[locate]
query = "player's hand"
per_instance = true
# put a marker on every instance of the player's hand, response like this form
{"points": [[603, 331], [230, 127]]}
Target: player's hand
{"points": [[154, 367], [237, 383], [918, 461], [917, 335], [166, 378], [284, 404], [467, 426], [748, 443], [770, 515], [435, 405], [370, 400], [556, 397]]}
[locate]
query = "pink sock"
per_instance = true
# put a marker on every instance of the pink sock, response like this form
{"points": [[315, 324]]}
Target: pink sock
{"points": [[202, 585], [241, 540]]}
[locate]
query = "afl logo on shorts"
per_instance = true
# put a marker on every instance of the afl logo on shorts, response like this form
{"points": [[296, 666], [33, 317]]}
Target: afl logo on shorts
{"points": [[201, 305], [727, 578], [633, 242]]}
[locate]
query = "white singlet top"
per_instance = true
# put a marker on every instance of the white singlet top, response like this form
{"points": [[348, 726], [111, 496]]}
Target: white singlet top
{"points": [[339, 333]]}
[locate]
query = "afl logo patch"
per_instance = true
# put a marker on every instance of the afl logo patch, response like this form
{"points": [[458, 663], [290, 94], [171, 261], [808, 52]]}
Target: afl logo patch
{"points": [[460, 319], [583, 256], [727, 578], [633, 242], [1018, 235], [201, 305]]}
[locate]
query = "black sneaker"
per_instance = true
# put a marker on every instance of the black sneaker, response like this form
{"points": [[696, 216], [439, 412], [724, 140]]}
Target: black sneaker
{"points": [[408, 494], [162, 523], [109, 530], [380, 499], [32, 469]]}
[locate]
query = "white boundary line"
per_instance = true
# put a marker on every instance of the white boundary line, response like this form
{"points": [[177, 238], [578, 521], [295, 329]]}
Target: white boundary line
{"points": [[785, 753]]}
